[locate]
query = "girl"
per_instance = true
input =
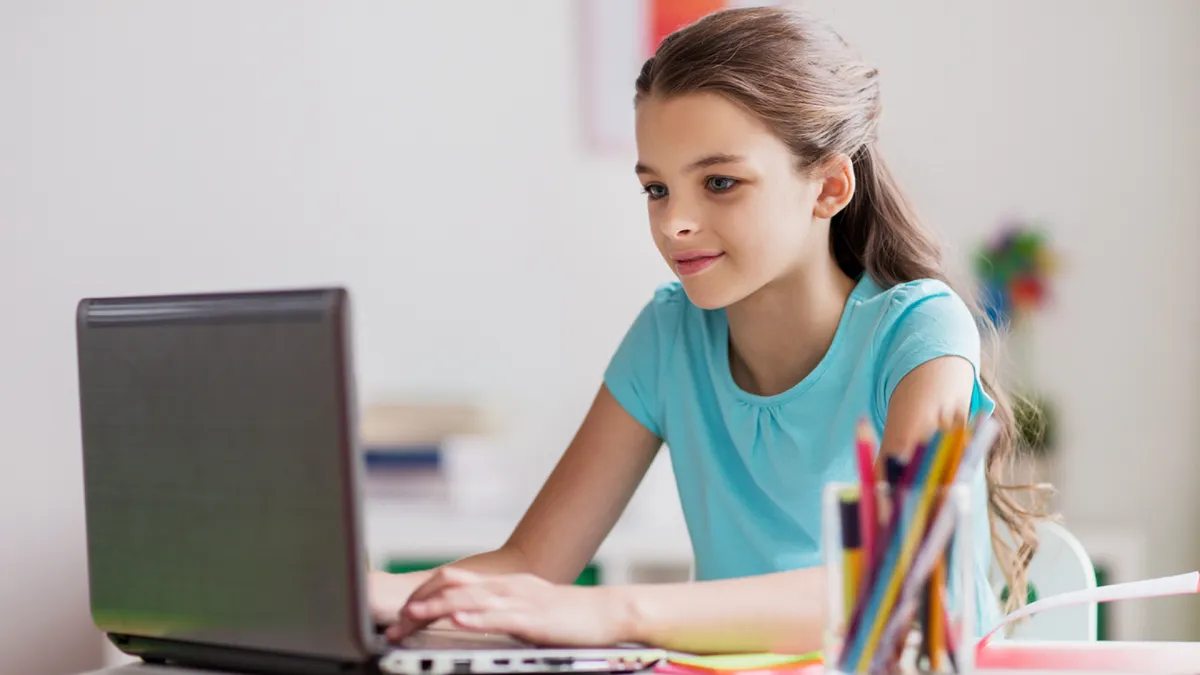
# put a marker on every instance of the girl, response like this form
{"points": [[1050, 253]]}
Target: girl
{"points": [[808, 297]]}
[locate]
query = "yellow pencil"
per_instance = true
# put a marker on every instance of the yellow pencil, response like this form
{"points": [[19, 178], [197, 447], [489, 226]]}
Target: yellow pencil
{"points": [[851, 551]]}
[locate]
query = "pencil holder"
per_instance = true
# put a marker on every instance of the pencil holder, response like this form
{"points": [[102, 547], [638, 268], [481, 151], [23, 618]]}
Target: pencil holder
{"points": [[901, 590]]}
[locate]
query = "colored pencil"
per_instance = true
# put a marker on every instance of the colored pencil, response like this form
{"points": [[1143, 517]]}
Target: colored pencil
{"points": [[887, 585], [868, 513], [852, 561]]}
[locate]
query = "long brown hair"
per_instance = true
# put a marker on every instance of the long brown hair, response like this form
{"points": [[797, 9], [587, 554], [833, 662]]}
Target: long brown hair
{"points": [[804, 82]]}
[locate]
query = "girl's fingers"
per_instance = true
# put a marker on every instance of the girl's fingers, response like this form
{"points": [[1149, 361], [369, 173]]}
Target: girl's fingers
{"points": [[458, 599], [504, 621], [443, 579]]}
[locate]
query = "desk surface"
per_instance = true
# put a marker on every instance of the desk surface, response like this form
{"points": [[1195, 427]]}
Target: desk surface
{"points": [[1051, 658], [143, 669]]}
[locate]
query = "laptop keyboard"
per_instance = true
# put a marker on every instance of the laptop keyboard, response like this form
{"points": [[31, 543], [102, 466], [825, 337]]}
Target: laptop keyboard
{"points": [[444, 639]]}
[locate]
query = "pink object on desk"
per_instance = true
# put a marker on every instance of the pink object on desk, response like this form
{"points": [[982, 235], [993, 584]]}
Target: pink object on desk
{"points": [[1173, 658], [668, 668]]}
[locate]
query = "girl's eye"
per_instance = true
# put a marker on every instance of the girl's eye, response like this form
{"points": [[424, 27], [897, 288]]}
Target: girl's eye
{"points": [[655, 191], [721, 183]]}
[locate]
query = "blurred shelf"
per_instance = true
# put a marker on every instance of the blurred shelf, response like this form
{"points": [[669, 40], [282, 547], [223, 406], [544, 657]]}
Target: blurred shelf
{"points": [[396, 529]]}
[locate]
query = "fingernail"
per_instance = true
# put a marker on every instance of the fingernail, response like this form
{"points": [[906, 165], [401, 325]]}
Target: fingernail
{"points": [[417, 608], [466, 618]]}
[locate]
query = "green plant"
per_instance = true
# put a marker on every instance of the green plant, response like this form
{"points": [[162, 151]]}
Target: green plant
{"points": [[1035, 420]]}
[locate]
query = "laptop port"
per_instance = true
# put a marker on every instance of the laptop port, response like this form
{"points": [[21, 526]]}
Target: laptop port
{"points": [[426, 665], [501, 662], [461, 666]]}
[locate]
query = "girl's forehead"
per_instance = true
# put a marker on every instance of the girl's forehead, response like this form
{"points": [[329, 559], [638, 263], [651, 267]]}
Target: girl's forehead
{"points": [[675, 132], [703, 109]]}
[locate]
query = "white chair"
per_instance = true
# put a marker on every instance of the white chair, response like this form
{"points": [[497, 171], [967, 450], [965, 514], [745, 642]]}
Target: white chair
{"points": [[1060, 565]]}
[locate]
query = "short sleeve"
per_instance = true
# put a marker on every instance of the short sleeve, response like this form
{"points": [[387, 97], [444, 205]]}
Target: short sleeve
{"points": [[632, 375], [928, 320]]}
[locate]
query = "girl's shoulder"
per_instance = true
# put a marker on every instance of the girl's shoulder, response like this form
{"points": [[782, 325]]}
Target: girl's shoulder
{"points": [[906, 300], [662, 318], [670, 307], [907, 292], [926, 309], [669, 294]]}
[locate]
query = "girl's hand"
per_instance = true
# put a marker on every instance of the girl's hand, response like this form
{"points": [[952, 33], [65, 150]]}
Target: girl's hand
{"points": [[387, 593], [520, 605]]}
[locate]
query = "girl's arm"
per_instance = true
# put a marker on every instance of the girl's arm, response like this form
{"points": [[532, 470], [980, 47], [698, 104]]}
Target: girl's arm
{"points": [[572, 514], [782, 612], [785, 611], [586, 493]]}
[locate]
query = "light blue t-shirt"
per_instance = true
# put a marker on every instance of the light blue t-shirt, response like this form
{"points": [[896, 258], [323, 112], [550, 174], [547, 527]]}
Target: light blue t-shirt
{"points": [[750, 469]]}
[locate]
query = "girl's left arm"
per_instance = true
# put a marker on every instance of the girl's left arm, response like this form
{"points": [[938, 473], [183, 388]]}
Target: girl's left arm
{"points": [[785, 612]]}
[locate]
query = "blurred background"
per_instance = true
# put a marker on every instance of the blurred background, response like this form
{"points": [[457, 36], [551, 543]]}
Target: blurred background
{"points": [[464, 168]]}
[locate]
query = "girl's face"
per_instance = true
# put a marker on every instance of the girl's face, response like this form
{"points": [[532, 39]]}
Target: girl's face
{"points": [[728, 210]]}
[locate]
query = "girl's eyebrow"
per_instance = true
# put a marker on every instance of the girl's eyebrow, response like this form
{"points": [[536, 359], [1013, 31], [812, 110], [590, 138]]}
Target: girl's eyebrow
{"points": [[702, 163]]}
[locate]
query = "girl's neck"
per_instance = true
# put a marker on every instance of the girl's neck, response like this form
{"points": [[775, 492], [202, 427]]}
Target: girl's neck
{"points": [[779, 334]]}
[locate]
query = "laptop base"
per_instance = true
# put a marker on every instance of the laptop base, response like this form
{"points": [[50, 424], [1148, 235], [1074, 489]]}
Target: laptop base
{"points": [[235, 660]]}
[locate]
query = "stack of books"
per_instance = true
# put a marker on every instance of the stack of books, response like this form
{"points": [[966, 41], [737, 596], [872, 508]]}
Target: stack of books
{"points": [[404, 444]]}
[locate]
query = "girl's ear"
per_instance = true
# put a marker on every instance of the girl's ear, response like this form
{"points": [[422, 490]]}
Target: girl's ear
{"points": [[837, 186]]}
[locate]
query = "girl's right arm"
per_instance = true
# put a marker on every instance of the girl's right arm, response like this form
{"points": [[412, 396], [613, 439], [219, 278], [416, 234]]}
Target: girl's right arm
{"points": [[572, 514]]}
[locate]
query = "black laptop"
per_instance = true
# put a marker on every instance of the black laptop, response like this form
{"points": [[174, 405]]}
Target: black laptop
{"points": [[222, 495]]}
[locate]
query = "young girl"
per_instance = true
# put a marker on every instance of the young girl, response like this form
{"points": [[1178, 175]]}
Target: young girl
{"points": [[809, 297]]}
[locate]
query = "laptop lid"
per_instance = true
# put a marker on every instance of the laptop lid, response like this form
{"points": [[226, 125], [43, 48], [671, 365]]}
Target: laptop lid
{"points": [[220, 472]]}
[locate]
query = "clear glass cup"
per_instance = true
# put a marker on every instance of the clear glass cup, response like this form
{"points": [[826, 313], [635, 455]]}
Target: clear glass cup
{"points": [[957, 632]]}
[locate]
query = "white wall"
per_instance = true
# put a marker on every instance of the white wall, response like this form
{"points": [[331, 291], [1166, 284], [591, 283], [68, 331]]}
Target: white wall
{"points": [[424, 154]]}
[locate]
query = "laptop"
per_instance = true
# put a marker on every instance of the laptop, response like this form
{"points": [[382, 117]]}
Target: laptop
{"points": [[222, 494]]}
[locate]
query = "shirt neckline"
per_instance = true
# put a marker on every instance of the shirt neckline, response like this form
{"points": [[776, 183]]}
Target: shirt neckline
{"points": [[723, 364]]}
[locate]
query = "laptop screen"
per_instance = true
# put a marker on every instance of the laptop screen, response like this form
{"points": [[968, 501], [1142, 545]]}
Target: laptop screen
{"points": [[219, 470]]}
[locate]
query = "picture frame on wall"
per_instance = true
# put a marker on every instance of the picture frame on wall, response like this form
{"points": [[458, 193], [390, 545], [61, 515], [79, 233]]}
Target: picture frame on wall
{"points": [[615, 38]]}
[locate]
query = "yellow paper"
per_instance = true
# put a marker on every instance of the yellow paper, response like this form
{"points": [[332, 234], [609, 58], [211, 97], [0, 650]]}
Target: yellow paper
{"points": [[742, 661]]}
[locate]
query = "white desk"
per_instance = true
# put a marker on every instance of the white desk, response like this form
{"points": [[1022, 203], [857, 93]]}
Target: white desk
{"points": [[161, 670], [1104, 658], [1001, 658]]}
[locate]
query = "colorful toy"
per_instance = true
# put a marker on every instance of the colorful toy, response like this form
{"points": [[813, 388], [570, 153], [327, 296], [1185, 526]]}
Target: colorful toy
{"points": [[1014, 270]]}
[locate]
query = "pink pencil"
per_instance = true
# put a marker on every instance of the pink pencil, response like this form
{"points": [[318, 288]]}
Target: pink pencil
{"points": [[868, 513]]}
